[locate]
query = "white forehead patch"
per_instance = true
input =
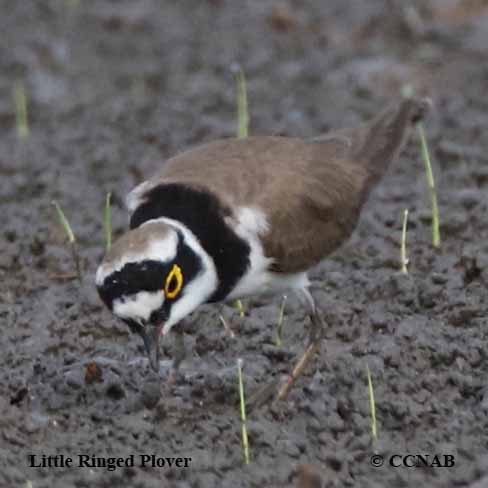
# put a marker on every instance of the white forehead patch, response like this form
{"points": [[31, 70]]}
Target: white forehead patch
{"points": [[138, 306], [157, 249]]}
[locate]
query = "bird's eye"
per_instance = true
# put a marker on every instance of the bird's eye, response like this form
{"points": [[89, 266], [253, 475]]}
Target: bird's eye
{"points": [[174, 282]]}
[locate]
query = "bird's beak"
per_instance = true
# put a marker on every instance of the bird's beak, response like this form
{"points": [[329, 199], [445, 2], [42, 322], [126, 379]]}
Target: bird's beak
{"points": [[151, 335]]}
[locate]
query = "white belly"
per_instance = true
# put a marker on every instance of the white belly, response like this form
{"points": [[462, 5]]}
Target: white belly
{"points": [[267, 283]]}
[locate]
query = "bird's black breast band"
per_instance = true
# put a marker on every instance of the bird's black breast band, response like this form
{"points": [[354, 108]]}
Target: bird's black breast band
{"points": [[204, 215]]}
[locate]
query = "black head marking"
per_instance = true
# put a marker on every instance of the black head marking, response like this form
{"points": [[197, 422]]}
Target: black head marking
{"points": [[204, 215], [145, 275], [149, 275]]}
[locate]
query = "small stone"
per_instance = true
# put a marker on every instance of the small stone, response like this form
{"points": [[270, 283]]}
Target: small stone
{"points": [[151, 394]]}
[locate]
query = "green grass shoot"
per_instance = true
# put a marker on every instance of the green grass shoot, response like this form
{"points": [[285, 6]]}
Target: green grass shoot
{"points": [[403, 246], [64, 222], [242, 131], [240, 308], [372, 407], [281, 319], [245, 440], [107, 222], [21, 118], [436, 236], [71, 237], [242, 109]]}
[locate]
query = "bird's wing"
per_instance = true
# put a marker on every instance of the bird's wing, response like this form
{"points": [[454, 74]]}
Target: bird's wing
{"points": [[314, 211], [311, 192], [322, 206], [306, 190]]}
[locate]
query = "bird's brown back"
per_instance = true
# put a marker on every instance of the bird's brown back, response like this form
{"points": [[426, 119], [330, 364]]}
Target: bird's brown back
{"points": [[311, 192]]}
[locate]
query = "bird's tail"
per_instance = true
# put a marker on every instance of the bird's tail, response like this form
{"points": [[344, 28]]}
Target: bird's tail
{"points": [[384, 136]]}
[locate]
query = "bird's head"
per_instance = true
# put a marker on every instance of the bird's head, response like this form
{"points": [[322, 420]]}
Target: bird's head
{"points": [[154, 276]]}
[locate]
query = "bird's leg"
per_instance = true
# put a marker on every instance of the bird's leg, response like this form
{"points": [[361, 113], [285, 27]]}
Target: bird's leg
{"points": [[315, 336], [269, 391]]}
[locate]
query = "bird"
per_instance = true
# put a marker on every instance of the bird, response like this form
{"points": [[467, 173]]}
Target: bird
{"points": [[236, 217]]}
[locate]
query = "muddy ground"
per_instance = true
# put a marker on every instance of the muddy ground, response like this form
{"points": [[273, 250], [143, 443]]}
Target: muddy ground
{"points": [[114, 88]]}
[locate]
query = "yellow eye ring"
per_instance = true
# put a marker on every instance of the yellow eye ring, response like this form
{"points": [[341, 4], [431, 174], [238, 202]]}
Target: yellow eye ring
{"points": [[174, 282]]}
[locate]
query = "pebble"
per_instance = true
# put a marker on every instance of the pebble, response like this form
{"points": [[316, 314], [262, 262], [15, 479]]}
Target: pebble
{"points": [[151, 394]]}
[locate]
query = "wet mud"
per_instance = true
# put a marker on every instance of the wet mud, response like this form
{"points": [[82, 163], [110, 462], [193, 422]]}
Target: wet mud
{"points": [[115, 88]]}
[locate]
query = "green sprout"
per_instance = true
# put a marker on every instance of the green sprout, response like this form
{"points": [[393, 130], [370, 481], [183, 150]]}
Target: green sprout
{"points": [[242, 130], [107, 222], [281, 319], [436, 236], [242, 110], [403, 246], [64, 223], [21, 118], [71, 237], [245, 440], [372, 406], [240, 308]]}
